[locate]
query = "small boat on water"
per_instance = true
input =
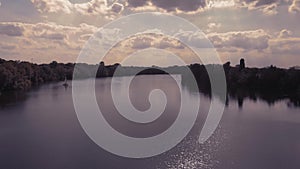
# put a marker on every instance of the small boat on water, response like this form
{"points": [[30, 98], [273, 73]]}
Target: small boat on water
{"points": [[65, 84]]}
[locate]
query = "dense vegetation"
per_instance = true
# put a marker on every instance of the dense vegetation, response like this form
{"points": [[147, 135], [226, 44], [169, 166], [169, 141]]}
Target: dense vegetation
{"points": [[16, 75], [270, 84]]}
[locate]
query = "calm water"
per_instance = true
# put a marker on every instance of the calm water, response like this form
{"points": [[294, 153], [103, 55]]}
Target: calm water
{"points": [[39, 129]]}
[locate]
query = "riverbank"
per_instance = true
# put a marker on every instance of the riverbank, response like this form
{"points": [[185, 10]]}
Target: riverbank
{"points": [[17, 75]]}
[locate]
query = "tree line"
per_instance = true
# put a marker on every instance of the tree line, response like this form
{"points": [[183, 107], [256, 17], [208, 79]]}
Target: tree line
{"points": [[18, 75]]}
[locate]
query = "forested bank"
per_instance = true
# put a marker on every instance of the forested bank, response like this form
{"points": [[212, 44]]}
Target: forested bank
{"points": [[17, 75]]}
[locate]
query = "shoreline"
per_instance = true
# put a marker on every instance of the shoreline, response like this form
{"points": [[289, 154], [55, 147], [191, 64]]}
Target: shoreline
{"points": [[16, 75]]}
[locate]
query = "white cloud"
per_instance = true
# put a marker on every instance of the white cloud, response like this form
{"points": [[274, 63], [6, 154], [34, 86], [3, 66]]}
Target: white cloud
{"points": [[246, 40], [295, 7], [220, 3], [195, 39], [93, 7], [258, 47], [284, 33], [42, 40], [151, 40], [213, 26]]}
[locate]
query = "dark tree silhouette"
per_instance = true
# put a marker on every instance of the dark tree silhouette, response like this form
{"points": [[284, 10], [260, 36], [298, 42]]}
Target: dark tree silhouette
{"points": [[16, 75]]}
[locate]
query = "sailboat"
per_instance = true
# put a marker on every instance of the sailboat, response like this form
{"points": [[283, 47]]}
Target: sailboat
{"points": [[66, 83]]}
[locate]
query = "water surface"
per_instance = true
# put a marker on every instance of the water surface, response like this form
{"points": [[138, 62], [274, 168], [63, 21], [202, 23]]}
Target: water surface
{"points": [[39, 129]]}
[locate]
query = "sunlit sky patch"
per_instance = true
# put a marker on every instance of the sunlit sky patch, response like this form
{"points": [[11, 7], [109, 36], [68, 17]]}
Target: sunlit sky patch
{"points": [[220, 3]]}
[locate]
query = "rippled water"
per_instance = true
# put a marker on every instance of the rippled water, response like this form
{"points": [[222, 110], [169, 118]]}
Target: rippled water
{"points": [[39, 129]]}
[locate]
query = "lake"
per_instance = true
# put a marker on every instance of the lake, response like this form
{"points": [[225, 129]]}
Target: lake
{"points": [[40, 129]]}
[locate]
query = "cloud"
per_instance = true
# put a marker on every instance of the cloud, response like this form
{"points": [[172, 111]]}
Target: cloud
{"points": [[177, 6], [141, 42], [137, 3], [220, 3], [43, 40], [193, 39], [85, 37], [111, 9], [270, 9], [259, 47], [183, 5], [53, 36], [117, 7], [169, 43], [213, 26], [152, 40], [267, 7], [246, 40], [44, 35], [257, 3], [11, 29], [265, 2], [285, 46], [93, 7], [49, 31], [53, 5], [284, 33], [295, 7], [7, 46]]}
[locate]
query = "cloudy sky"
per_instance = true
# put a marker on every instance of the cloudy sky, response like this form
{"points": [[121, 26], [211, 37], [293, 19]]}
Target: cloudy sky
{"points": [[264, 32]]}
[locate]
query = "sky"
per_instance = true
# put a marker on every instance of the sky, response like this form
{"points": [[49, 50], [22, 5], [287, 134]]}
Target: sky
{"points": [[264, 32]]}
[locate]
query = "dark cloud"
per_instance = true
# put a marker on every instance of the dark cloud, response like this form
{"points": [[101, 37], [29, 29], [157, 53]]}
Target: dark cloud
{"points": [[11, 29], [268, 7], [117, 8], [258, 3], [265, 2], [184, 5], [171, 5], [137, 3]]}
